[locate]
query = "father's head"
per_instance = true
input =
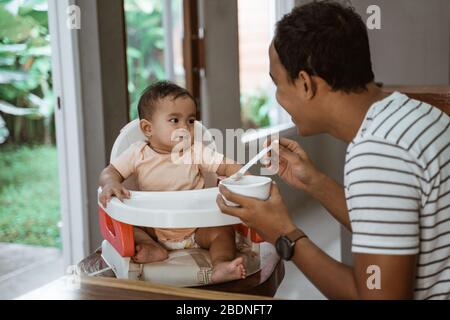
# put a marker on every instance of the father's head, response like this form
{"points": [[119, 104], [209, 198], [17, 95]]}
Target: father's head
{"points": [[319, 48]]}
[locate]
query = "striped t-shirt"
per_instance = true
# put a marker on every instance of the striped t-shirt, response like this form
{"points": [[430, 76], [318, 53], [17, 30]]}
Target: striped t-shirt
{"points": [[397, 185]]}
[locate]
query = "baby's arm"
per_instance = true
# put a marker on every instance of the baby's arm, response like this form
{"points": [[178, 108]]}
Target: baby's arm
{"points": [[228, 168], [111, 183]]}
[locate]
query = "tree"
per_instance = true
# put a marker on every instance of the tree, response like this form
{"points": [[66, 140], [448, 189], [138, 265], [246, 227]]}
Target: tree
{"points": [[26, 96]]}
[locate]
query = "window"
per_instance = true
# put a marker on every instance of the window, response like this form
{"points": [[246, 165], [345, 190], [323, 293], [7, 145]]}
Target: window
{"points": [[154, 45], [257, 19]]}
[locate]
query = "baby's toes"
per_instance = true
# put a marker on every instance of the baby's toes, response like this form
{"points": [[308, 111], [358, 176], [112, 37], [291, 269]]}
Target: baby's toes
{"points": [[242, 271], [236, 262]]}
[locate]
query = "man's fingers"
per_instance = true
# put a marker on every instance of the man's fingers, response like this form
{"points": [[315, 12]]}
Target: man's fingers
{"points": [[267, 142], [234, 197], [293, 146], [274, 191], [286, 154], [265, 160], [232, 211]]}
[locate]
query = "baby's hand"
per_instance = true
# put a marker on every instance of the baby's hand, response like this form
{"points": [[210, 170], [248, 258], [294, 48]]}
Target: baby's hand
{"points": [[113, 189]]}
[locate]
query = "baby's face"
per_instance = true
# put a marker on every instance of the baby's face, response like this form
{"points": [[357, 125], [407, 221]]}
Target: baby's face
{"points": [[172, 121]]}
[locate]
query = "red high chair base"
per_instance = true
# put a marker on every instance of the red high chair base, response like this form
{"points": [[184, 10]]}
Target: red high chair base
{"points": [[119, 234]]}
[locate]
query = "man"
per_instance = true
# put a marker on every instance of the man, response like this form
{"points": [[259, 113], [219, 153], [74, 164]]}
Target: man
{"points": [[396, 199]]}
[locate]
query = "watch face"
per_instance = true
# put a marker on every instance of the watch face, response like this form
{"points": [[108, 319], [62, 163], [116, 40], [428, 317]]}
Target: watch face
{"points": [[284, 248]]}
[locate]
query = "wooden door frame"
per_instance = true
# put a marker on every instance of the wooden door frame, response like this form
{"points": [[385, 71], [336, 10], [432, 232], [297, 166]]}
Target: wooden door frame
{"points": [[193, 49]]}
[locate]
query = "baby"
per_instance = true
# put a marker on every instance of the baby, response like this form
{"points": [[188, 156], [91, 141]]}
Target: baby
{"points": [[167, 111]]}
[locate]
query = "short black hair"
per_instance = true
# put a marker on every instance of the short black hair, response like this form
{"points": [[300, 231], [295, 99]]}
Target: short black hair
{"points": [[326, 39], [156, 92]]}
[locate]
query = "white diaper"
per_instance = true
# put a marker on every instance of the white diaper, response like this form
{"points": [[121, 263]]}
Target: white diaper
{"points": [[188, 243]]}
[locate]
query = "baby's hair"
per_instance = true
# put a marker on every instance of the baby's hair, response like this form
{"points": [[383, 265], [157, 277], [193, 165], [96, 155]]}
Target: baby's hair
{"points": [[157, 91]]}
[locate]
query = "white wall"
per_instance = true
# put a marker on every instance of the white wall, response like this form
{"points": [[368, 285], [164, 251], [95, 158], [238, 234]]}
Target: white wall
{"points": [[413, 45]]}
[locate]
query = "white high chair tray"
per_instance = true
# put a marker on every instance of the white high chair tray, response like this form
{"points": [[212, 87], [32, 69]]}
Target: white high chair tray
{"points": [[170, 209]]}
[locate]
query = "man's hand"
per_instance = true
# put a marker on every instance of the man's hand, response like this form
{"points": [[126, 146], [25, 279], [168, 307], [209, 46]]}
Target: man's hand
{"points": [[269, 218], [295, 167], [113, 189]]}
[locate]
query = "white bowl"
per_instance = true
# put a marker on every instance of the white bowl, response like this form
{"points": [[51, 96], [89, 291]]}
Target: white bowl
{"points": [[249, 186]]}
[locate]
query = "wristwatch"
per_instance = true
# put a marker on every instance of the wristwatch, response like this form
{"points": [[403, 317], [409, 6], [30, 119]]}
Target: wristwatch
{"points": [[285, 243]]}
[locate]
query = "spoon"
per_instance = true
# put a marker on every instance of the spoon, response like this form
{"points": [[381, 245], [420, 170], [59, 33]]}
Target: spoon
{"points": [[238, 175]]}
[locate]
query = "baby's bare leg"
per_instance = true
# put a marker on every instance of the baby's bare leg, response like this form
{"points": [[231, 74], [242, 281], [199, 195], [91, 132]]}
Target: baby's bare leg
{"points": [[222, 247], [147, 249]]}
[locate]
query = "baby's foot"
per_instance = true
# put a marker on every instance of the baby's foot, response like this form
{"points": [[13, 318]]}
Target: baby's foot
{"points": [[149, 252], [227, 271]]}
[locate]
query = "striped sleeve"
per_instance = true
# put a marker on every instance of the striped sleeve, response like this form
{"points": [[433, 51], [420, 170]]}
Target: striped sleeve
{"points": [[383, 192]]}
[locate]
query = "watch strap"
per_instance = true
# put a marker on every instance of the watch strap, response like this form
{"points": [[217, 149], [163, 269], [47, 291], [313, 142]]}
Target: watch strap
{"points": [[295, 235]]}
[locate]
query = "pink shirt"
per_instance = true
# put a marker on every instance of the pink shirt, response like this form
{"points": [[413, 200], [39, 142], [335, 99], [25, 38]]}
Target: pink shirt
{"points": [[157, 172]]}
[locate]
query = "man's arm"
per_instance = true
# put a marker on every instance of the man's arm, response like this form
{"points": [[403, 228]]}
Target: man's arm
{"points": [[270, 218], [397, 275], [334, 279], [331, 196], [297, 169], [372, 277]]}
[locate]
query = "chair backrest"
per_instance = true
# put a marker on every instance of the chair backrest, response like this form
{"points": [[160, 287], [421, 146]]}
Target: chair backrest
{"points": [[132, 133], [129, 134], [438, 96]]}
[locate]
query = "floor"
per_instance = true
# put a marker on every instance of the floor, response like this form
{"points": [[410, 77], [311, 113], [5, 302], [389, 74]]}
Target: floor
{"points": [[24, 268], [324, 231]]}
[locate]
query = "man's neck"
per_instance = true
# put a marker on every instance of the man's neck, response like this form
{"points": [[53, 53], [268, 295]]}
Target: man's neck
{"points": [[348, 111]]}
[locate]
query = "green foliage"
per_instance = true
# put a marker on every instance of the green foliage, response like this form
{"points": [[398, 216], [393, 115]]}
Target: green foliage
{"points": [[255, 110], [145, 45], [25, 68], [29, 195]]}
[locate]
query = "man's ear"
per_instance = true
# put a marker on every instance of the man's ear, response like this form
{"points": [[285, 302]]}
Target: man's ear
{"points": [[146, 127], [306, 85]]}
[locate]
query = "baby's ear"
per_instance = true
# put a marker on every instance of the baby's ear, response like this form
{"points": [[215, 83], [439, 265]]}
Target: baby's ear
{"points": [[146, 127]]}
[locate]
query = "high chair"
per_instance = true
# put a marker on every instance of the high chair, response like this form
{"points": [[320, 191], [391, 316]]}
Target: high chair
{"points": [[166, 209]]}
